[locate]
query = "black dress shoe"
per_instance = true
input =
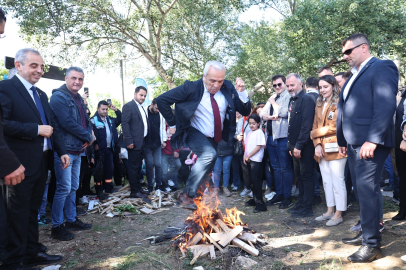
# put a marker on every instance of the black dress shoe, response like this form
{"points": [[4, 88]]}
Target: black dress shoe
{"points": [[77, 225], [42, 248], [61, 233], [365, 254], [137, 195], [260, 208], [294, 208], [356, 241], [42, 258], [401, 215], [143, 191], [250, 203]]}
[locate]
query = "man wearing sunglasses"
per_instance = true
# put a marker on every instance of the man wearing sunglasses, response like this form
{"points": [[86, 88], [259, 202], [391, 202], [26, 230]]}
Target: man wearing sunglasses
{"points": [[365, 129], [277, 129]]}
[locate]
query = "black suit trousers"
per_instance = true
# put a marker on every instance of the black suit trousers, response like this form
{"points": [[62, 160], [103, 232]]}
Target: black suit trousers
{"points": [[22, 203], [365, 175], [3, 223], [135, 158]]}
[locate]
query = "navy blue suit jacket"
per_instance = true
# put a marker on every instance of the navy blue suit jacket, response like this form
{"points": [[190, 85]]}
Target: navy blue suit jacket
{"points": [[366, 115], [187, 98]]}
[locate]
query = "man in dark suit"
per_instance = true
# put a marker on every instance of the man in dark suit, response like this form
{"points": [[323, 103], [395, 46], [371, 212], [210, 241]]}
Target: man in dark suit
{"points": [[11, 170], [134, 122], [29, 133], [204, 114], [365, 129]]}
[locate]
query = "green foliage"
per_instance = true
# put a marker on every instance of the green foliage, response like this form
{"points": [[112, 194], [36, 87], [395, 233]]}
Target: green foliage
{"points": [[95, 98], [126, 208]]}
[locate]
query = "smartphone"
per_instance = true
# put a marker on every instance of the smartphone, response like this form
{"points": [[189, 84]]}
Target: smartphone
{"points": [[86, 90], [109, 100]]}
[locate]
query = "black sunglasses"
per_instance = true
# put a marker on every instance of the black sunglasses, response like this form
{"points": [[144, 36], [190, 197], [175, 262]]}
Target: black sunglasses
{"points": [[275, 85], [349, 51]]}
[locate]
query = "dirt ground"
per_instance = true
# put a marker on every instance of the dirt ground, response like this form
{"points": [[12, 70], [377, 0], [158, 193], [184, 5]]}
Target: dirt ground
{"points": [[291, 243]]}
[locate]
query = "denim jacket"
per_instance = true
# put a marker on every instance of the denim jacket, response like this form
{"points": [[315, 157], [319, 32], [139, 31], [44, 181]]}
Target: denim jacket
{"points": [[67, 116]]}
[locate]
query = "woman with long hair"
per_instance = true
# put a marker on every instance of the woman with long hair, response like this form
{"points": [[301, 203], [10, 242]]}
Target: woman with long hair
{"points": [[332, 164]]}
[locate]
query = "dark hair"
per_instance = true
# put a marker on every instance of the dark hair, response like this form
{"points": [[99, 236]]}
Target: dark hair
{"points": [[312, 82], [339, 74], [362, 38], [103, 102], [274, 78], [255, 117], [347, 74], [324, 68], [140, 88], [2, 16], [153, 101], [261, 103], [336, 90]]}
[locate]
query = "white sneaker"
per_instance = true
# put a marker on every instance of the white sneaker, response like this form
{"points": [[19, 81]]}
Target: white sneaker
{"points": [[168, 189], [251, 195], [292, 193], [245, 192], [83, 200], [270, 196], [234, 188], [171, 183]]}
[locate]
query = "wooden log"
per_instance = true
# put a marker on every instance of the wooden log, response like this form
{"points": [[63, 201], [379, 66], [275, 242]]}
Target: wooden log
{"points": [[248, 237], [246, 247], [212, 252], [146, 210], [205, 249], [217, 236], [223, 226], [160, 201], [195, 258], [214, 226], [110, 202], [213, 242], [126, 187], [149, 205], [249, 242], [195, 239], [227, 238]]}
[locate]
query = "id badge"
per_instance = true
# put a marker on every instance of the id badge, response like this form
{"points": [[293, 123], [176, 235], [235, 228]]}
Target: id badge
{"points": [[330, 116]]}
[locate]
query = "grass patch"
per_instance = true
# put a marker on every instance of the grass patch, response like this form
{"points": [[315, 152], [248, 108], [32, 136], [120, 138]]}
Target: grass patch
{"points": [[150, 259], [278, 265], [389, 206], [71, 264], [334, 264]]}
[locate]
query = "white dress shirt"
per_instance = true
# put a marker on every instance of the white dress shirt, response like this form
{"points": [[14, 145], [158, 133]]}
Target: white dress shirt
{"points": [[28, 86], [108, 132], [203, 118], [355, 73], [144, 117]]}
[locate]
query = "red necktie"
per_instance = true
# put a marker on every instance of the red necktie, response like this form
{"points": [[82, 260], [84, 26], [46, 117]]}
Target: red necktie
{"points": [[217, 119]]}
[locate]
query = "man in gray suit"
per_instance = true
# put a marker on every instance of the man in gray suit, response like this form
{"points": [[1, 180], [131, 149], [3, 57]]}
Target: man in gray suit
{"points": [[134, 122], [365, 129]]}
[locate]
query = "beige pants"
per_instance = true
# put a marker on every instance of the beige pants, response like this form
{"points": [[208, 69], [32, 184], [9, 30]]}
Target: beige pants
{"points": [[332, 173]]}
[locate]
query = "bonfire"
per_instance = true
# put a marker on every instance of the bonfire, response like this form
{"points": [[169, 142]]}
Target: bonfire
{"points": [[208, 228]]}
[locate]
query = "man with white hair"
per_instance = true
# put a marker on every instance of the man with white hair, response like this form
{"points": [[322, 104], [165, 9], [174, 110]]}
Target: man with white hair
{"points": [[204, 115], [300, 146]]}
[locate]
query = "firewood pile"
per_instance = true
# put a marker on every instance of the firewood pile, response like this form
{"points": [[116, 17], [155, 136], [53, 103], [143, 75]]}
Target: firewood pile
{"points": [[154, 204], [207, 229]]}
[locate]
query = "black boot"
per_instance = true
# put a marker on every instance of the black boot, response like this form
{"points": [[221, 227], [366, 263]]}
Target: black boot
{"points": [[401, 215]]}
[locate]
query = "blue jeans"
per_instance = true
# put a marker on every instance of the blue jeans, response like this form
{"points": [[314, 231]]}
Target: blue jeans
{"points": [[206, 150], [41, 210], [170, 167], [222, 163], [281, 163], [67, 182], [389, 168], [153, 158], [236, 171]]}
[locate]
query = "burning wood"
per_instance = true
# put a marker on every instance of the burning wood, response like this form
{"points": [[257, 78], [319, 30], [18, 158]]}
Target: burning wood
{"points": [[207, 228]]}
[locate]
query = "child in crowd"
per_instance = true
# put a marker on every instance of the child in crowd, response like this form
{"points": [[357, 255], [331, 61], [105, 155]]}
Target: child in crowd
{"points": [[254, 153]]}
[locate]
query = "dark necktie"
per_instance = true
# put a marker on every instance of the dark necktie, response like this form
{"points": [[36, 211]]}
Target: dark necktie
{"points": [[41, 111], [217, 119]]}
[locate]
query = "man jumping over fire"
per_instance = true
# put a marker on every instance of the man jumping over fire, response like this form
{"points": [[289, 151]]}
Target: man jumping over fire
{"points": [[204, 115]]}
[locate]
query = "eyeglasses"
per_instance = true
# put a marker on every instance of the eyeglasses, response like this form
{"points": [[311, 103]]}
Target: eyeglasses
{"points": [[349, 51], [277, 85]]}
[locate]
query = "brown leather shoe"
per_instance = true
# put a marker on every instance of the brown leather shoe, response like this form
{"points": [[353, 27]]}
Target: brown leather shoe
{"points": [[137, 195], [186, 202]]}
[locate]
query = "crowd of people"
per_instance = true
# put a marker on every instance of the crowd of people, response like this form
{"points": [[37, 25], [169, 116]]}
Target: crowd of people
{"points": [[334, 129]]}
